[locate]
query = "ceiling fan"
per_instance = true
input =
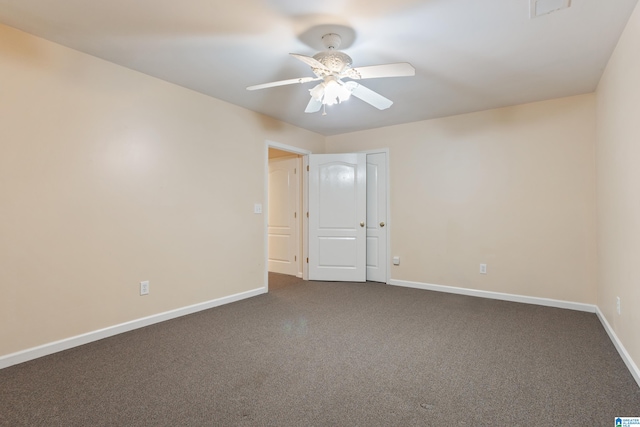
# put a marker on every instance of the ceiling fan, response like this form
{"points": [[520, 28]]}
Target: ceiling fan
{"points": [[331, 66]]}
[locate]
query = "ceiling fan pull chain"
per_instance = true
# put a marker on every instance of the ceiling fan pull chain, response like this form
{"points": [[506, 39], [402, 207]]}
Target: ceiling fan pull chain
{"points": [[324, 109]]}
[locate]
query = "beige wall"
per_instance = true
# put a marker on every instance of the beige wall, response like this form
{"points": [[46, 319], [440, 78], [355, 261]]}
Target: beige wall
{"points": [[513, 188], [618, 172], [109, 177]]}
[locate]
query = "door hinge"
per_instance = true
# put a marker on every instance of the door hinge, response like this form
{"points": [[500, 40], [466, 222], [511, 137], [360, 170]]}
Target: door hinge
{"points": [[307, 260], [307, 168], [307, 214], [295, 171], [295, 214], [295, 258]]}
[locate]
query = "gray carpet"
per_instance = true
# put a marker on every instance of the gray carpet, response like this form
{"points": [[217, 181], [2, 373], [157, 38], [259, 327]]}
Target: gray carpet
{"points": [[335, 354]]}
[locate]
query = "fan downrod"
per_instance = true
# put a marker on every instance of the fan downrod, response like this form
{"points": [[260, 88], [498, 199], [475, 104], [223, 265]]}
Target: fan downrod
{"points": [[331, 41]]}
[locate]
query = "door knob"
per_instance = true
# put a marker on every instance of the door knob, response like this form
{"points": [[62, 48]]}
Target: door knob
{"points": [[362, 224], [382, 224]]}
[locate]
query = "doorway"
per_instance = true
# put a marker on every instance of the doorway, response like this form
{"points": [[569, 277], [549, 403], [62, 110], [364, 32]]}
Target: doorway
{"points": [[284, 221], [284, 213], [377, 216]]}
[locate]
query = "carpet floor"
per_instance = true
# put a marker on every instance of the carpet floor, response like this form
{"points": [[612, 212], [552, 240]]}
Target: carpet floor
{"points": [[335, 354]]}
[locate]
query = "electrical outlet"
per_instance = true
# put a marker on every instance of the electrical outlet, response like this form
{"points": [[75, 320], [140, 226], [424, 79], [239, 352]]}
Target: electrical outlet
{"points": [[483, 268], [144, 287], [618, 304]]}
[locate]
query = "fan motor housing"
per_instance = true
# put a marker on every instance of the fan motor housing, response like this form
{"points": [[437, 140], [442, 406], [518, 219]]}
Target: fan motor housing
{"points": [[334, 60]]}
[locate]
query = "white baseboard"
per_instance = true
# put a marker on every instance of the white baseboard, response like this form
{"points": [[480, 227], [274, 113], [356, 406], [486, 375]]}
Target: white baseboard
{"points": [[590, 308], [626, 358], [54, 347]]}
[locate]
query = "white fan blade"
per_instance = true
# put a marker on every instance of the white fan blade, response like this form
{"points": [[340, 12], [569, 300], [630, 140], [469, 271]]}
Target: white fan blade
{"points": [[400, 69], [312, 62], [313, 106], [369, 96], [284, 82]]}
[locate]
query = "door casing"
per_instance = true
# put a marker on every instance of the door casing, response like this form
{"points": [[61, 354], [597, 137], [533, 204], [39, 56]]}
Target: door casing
{"points": [[303, 246], [284, 216], [305, 204]]}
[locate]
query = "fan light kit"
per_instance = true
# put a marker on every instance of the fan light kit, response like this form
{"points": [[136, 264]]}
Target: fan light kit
{"points": [[331, 66]]}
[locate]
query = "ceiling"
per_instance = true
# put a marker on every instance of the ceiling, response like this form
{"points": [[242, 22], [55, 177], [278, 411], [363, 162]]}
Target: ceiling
{"points": [[469, 55]]}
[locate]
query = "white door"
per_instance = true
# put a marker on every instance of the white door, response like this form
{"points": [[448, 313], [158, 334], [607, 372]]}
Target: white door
{"points": [[377, 217], [283, 216], [337, 217]]}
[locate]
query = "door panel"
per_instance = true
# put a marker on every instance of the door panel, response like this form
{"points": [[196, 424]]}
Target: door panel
{"points": [[377, 260], [337, 252], [337, 196], [283, 240], [279, 248], [337, 208]]}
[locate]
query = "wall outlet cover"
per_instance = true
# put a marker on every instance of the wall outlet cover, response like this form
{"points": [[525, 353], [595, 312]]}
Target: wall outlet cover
{"points": [[144, 287]]}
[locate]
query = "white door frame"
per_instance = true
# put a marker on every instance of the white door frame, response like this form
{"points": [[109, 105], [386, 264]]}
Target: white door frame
{"points": [[305, 206], [294, 150], [389, 223], [289, 213]]}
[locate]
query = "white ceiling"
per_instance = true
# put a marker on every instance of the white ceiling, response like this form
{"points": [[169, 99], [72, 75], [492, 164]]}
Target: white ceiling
{"points": [[469, 55]]}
